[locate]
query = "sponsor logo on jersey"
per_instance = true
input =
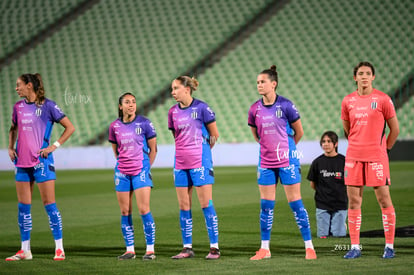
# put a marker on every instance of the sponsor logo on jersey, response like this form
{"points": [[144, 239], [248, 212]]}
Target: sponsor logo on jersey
{"points": [[268, 124], [27, 121], [267, 117], [183, 119], [183, 126], [361, 115]]}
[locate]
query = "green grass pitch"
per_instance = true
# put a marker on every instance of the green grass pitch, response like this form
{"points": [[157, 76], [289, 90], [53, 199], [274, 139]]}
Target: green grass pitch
{"points": [[92, 234]]}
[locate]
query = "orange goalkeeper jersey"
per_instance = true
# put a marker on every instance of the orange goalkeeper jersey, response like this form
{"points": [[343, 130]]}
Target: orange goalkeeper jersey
{"points": [[367, 116]]}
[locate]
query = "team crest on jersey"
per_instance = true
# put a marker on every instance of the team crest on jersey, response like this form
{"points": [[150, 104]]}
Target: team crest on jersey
{"points": [[279, 113], [194, 115], [138, 130], [38, 112], [374, 105]]}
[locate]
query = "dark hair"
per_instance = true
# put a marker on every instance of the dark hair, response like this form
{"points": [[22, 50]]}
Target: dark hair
{"points": [[332, 136], [120, 113], [272, 74], [364, 63], [36, 80], [188, 82]]}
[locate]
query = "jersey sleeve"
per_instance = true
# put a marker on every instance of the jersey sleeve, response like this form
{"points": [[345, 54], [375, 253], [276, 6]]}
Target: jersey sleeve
{"points": [[208, 115], [55, 112], [292, 112], [111, 136], [149, 130], [344, 110], [312, 175], [251, 117], [170, 120], [388, 108], [14, 115]]}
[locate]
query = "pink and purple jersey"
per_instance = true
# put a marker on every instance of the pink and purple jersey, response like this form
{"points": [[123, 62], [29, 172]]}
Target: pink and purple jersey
{"points": [[192, 147], [34, 126], [273, 125], [131, 139]]}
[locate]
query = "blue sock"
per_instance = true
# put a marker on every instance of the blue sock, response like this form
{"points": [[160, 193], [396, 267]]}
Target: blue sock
{"points": [[149, 228], [25, 221], [266, 218], [302, 218], [211, 223], [186, 223], [127, 230], [55, 220]]}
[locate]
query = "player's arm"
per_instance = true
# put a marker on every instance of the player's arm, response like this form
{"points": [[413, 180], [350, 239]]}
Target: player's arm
{"points": [[213, 132], [115, 149], [12, 141], [394, 131], [297, 126], [69, 129], [254, 132], [312, 185], [152, 145], [346, 126]]}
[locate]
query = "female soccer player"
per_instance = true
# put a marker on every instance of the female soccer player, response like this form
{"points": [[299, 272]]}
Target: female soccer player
{"points": [[193, 126], [365, 113], [326, 175], [275, 124], [32, 123], [134, 144]]}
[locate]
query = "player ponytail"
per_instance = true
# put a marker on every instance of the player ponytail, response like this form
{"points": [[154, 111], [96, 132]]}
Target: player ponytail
{"points": [[187, 81], [37, 82], [120, 113], [272, 74]]}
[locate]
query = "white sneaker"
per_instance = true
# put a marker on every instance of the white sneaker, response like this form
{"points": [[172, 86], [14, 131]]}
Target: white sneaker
{"points": [[20, 255]]}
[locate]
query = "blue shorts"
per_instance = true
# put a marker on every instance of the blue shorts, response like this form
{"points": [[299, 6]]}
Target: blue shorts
{"points": [[43, 171], [125, 183], [197, 177], [288, 175]]}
